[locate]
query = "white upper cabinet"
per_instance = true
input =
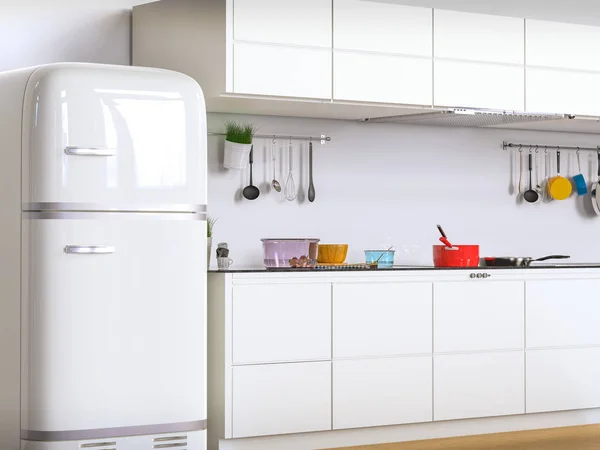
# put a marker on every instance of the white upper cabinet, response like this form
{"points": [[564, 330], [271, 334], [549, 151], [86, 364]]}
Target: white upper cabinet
{"points": [[563, 91], [281, 322], [281, 71], [479, 85], [562, 313], [382, 79], [380, 26], [563, 45], [479, 37], [382, 319], [306, 22], [474, 316]]}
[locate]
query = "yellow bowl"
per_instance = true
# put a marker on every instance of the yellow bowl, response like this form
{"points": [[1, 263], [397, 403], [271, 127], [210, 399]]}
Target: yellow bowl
{"points": [[332, 253]]}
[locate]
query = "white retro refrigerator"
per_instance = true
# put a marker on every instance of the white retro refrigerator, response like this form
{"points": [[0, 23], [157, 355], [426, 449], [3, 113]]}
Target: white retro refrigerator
{"points": [[103, 259]]}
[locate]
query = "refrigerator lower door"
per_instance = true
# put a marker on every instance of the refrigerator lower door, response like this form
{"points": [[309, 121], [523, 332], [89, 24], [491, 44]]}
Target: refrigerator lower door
{"points": [[114, 326]]}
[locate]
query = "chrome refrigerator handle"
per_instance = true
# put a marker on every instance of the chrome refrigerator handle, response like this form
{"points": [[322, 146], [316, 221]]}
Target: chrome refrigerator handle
{"points": [[90, 151], [90, 249]]}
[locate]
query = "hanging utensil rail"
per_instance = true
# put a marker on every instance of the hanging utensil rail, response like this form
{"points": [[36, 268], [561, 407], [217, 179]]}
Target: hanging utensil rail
{"points": [[322, 138], [507, 145]]}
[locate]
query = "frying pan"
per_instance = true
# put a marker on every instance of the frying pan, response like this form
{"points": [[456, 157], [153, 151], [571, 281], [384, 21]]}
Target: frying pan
{"points": [[594, 193], [559, 187], [518, 261]]}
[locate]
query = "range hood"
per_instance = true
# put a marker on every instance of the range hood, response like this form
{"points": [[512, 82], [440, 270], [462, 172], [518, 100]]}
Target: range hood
{"points": [[461, 117]]}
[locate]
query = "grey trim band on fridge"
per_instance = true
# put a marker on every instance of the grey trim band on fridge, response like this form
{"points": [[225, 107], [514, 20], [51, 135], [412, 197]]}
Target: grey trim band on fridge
{"points": [[108, 215], [100, 207], [107, 433]]}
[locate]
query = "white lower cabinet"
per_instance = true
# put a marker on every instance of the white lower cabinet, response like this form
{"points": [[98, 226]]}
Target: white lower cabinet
{"points": [[563, 379], [281, 398], [383, 391], [478, 385]]}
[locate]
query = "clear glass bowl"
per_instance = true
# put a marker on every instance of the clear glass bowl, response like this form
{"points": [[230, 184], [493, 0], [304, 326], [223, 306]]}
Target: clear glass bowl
{"points": [[387, 257], [289, 253]]}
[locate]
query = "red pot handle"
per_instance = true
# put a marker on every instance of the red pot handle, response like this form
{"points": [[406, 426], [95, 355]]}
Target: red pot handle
{"points": [[446, 242]]}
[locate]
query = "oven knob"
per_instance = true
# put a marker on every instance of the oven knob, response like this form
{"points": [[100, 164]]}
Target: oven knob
{"points": [[473, 275]]}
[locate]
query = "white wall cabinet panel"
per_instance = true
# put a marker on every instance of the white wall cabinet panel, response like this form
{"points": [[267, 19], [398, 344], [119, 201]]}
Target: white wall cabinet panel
{"points": [[281, 71], [478, 385], [479, 85], [382, 78], [381, 319], [479, 37], [563, 91], [563, 313], [385, 27], [281, 398], [478, 316], [281, 322], [284, 22], [562, 45], [563, 379], [377, 392]]}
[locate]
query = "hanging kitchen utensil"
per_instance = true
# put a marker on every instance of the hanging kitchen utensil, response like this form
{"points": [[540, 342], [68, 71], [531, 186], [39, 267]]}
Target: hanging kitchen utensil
{"points": [[251, 192], [560, 187], [518, 261], [290, 186], [594, 193], [579, 180], [520, 172], [538, 186], [530, 195], [311, 185], [274, 184], [547, 171]]}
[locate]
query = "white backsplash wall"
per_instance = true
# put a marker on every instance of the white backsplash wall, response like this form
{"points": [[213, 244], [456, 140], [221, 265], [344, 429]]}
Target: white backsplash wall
{"points": [[383, 184]]}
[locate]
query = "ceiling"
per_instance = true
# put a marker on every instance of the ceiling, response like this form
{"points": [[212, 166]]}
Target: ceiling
{"points": [[574, 11]]}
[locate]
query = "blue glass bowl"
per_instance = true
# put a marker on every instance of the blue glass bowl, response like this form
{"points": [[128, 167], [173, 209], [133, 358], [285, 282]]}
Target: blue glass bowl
{"points": [[387, 260]]}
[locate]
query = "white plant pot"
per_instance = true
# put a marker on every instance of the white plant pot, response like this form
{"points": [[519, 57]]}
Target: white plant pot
{"points": [[236, 155], [208, 251]]}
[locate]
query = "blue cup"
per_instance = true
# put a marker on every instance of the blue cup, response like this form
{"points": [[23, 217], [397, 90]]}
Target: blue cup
{"points": [[387, 257], [580, 185]]}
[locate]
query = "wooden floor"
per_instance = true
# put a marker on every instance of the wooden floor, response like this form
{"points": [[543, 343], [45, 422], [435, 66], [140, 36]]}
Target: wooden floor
{"points": [[569, 438]]}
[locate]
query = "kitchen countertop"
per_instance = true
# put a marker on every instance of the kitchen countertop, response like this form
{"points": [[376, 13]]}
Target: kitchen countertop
{"points": [[406, 268]]}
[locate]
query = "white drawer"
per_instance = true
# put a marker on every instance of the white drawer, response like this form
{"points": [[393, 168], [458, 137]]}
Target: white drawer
{"points": [[379, 319], [281, 322], [281, 398]]}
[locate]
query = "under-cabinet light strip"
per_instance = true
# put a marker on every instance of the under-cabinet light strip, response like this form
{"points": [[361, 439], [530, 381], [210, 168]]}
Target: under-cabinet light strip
{"points": [[507, 145], [321, 138]]}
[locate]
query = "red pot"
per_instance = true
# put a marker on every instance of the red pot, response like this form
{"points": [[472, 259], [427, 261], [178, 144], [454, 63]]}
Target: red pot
{"points": [[456, 256]]}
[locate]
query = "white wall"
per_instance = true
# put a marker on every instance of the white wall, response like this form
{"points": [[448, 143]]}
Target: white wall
{"points": [[43, 31], [383, 184]]}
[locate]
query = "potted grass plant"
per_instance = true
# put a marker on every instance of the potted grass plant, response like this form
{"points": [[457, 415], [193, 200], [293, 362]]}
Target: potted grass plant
{"points": [[238, 141], [210, 223]]}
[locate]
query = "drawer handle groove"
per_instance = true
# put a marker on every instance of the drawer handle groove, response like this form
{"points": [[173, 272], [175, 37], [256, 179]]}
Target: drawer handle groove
{"points": [[90, 151], [89, 249]]}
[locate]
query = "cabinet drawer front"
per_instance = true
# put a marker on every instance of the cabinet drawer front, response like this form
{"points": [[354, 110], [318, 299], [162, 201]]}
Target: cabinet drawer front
{"points": [[382, 78], [281, 398], [122, 309], [478, 385], [381, 319], [281, 71], [378, 392], [473, 316], [578, 93], [562, 45], [283, 22], [562, 313], [382, 27], [563, 379], [479, 37], [281, 322], [479, 85]]}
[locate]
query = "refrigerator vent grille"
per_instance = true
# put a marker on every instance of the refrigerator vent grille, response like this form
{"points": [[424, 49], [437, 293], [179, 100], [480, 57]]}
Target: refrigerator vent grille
{"points": [[166, 442], [100, 445]]}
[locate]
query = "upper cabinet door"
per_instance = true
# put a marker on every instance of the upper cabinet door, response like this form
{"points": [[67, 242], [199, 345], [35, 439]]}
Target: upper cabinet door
{"points": [[378, 26], [281, 71], [307, 22], [562, 45], [479, 37], [479, 85]]}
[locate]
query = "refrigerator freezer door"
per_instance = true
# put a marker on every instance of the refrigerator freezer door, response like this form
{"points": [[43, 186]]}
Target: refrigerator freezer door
{"points": [[99, 137], [113, 324]]}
